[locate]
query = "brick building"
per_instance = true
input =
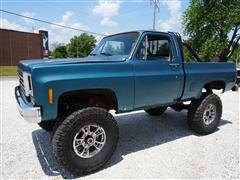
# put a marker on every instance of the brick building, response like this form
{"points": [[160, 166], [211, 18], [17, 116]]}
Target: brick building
{"points": [[17, 45]]}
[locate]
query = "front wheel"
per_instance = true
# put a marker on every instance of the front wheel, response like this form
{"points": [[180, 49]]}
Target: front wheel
{"points": [[204, 114], [85, 140], [156, 111]]}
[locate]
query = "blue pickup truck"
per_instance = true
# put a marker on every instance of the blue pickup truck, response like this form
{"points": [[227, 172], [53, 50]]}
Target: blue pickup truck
{"points": [[139, 70]]}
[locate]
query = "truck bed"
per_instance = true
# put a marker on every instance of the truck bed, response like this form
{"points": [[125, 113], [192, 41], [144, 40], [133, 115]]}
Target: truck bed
{"points": [[198, 74]]}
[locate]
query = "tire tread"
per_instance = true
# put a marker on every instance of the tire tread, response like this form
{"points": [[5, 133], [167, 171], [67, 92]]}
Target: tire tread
{"points": [[65, 127], [196, 110]]}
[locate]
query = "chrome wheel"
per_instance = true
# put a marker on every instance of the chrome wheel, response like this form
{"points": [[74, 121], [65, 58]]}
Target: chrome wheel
{"points": [[89, 141], [209, 114]]}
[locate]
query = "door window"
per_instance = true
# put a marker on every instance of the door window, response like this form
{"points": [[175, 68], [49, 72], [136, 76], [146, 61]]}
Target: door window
{"points": [[156, 48]]}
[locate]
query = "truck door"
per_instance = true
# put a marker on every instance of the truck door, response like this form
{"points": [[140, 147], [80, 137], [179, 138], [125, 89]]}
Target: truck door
{"points": [[158, 71]]}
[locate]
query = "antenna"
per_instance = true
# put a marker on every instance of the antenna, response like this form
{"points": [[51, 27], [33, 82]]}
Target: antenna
{"points": [[155, 7]]}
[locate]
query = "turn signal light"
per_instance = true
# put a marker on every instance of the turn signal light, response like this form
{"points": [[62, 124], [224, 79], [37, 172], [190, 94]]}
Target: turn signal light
{"points": [[50, 96]]}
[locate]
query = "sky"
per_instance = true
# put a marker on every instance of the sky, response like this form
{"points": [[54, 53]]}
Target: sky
{"points": [[100, 16]]}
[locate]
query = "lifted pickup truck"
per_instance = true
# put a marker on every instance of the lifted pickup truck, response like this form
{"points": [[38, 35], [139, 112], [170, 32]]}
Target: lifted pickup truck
{"points": [[125, 72]]}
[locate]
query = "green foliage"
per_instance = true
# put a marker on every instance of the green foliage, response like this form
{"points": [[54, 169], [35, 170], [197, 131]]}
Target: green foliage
{"points": [[81, 46], [60, 52], [236, 55], [187, 55], [57, 55], [54, 45], [212, 27]]}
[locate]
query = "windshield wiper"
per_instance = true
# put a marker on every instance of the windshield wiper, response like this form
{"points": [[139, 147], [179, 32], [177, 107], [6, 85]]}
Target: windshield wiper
{"points": [[92, 54], [105, 54]]}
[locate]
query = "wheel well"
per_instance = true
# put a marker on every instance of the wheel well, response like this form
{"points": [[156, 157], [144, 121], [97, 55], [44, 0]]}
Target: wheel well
{"points": [[75, 100], [214, 85]]}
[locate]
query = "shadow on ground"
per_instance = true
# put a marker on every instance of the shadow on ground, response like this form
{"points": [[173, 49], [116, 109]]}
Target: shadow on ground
{"points": [[138, 131]]}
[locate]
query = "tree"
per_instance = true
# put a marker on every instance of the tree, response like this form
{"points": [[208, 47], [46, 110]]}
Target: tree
{"points": [[59, 50], [213, 27], [81, 46], [236, 55], [54, 45]]}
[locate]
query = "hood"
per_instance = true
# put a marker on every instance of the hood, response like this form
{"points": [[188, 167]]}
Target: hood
{"points": [[27, 65]]}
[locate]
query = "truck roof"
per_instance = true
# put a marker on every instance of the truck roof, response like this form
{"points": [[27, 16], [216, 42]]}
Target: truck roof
{"points": [[137, 31]]}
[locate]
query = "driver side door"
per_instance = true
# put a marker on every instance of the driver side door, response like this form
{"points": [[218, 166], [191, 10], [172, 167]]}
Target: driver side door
{"points": [[158, 72]]}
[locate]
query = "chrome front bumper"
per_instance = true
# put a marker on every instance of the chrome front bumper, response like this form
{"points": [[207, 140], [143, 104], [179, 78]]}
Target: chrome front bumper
{"points": [[27, 110]]}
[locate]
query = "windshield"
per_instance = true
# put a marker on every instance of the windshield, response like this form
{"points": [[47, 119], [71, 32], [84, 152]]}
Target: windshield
{"points": [[116, 45]]}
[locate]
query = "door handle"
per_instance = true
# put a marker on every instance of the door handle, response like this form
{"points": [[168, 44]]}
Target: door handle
{"points": [[175, 65]]}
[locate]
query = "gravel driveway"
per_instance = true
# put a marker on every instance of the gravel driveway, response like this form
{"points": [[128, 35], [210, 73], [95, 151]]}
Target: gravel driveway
{"points": [[149, 147]]}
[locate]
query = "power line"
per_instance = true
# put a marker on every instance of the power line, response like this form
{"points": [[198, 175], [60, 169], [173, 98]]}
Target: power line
{"points": [[47, 22]]}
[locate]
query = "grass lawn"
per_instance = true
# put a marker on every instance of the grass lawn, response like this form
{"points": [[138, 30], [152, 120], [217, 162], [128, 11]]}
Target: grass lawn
{"points": [[8, 70]]}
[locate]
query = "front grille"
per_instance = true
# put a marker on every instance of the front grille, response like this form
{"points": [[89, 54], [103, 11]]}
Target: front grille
{"points": [[21, 81]]}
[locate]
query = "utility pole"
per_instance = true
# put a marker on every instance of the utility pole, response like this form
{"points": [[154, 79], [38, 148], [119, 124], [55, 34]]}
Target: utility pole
{"points": [[155, 7]]}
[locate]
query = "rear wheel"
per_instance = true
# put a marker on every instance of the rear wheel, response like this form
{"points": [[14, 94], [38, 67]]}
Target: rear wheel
{"points": [[204, 114], [156, 111], [85, 140]]}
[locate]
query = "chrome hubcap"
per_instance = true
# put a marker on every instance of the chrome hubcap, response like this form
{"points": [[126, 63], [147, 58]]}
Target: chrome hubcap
{"points": [[89, 141], [209, 114]]}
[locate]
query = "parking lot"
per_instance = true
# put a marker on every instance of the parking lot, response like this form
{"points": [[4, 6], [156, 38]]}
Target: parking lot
{"points": [[149, 147]]}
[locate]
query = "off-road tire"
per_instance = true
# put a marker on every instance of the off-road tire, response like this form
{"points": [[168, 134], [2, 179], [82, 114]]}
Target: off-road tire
{"points": [[47, 125], [56, 125], [64, 135], [196, 112], [156, 111]]}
